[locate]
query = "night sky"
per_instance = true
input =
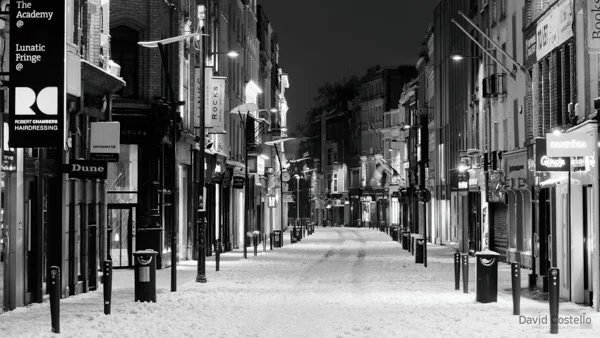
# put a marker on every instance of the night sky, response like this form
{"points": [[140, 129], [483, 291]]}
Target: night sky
{"points": [[326, 40]]}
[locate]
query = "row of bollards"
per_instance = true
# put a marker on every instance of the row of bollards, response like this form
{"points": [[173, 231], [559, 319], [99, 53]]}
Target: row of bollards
{"points": [[54, 285], [144, 276], [487, 284]]}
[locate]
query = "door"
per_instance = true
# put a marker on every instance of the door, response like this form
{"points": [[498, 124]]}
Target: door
{"points": [[182, 245], [121, 234], [588, 219], [564, 249]]}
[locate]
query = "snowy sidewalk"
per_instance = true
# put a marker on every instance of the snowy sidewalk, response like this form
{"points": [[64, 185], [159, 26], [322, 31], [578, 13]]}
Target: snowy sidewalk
{"points": [[338, 282]]}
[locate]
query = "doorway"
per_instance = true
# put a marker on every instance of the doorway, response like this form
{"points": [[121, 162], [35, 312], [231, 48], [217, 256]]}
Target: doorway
{"points": [[121, 232], [588, 221], [563, 247]]}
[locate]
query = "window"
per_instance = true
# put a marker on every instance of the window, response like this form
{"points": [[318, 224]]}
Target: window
{"points": [[335, 183], [124, 52]]}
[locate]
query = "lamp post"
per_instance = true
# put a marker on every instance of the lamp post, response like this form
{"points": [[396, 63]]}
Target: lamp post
{"points": [[160, 44], [245, 109]]}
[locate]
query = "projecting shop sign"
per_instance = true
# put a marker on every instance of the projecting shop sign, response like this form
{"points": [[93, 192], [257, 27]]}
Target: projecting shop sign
{"points": [[214, 103], [105, 141], [86, 169], [569, 145], [37, 74]]}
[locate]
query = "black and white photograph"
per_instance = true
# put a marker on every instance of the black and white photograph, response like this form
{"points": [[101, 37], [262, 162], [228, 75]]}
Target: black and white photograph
{"points": [[317, 168]]}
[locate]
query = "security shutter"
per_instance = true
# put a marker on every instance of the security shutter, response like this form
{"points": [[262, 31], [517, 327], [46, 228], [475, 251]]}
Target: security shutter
{"points": [[499, 229]]}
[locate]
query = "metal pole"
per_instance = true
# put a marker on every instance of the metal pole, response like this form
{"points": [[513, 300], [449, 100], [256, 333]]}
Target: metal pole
{"points": [[246, 190], [199, 175], [485, 50], [174, 166], [498, 47], [298, 201], [280, 187], [424, 160]]}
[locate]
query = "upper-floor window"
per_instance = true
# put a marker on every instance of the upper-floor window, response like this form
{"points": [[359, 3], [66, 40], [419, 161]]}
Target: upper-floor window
{"points": [[124, 49]]}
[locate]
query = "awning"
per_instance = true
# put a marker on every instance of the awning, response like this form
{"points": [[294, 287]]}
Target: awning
{"points": [[99, 81]]}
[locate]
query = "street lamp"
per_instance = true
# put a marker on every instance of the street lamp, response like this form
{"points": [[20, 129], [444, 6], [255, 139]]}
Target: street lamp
{"points": [[460, 57], [245, 109], [174, 103]]}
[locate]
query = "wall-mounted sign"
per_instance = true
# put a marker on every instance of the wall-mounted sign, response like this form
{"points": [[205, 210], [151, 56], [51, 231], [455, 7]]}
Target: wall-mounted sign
{"points": [[593, 19], [554, 28], [133, 129], [214, 102], [86, 169], [543, 162], [238, 182], [105, 141], [37, 74], [570, 145]]}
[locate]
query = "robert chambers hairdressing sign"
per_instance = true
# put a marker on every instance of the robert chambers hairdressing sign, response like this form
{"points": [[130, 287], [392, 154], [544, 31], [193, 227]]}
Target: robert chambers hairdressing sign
{"points": [[37, 73]]}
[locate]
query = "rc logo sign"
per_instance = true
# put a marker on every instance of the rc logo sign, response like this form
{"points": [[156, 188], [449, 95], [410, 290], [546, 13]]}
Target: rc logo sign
{"points": [[46, 101]]}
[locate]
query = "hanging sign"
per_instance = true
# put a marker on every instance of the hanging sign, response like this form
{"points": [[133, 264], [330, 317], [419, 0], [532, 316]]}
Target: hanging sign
{"points": [[214, 102], [105, 141], [86, 169], [238, 182], [271, 201], [37, 74]]}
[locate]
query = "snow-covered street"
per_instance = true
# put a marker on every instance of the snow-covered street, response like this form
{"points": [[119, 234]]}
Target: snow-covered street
{"points": [[338, 282]]}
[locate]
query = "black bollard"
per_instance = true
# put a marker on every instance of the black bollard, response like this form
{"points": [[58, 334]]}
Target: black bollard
{"points": [[107, 284], [465, 263], [271, 236], [54, 291], [553, 296], [516, 287], [264, 238], [412, 245], [457, 271], [218, 254], [255, 238]]}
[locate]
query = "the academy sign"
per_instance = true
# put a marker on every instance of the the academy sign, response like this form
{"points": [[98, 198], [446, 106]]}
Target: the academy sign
{"points": [[37, 74]]}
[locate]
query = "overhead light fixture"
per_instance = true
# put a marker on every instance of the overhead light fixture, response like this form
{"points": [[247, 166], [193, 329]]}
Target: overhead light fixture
{"points": [[457, 57], [233, 53]]}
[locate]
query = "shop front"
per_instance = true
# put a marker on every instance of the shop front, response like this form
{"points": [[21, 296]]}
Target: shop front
{"points": [[518, 197], [575, 232]]}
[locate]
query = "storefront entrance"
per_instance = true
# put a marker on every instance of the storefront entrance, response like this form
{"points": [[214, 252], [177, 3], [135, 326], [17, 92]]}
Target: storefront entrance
{"points": [[121, 234]]}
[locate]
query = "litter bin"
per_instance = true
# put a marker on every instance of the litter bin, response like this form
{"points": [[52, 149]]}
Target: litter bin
{"points": [[145, 275], [298, 234], [487, 276], [277, 238], [405, 239], [395, 233], [419, 246]]}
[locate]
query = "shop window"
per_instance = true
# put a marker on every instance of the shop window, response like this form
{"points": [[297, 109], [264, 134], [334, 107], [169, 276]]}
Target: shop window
{"points": [[122, 176]]}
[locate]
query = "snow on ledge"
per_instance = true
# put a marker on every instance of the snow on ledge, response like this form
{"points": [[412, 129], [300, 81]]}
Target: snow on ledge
{"points": [[487, 252]]}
